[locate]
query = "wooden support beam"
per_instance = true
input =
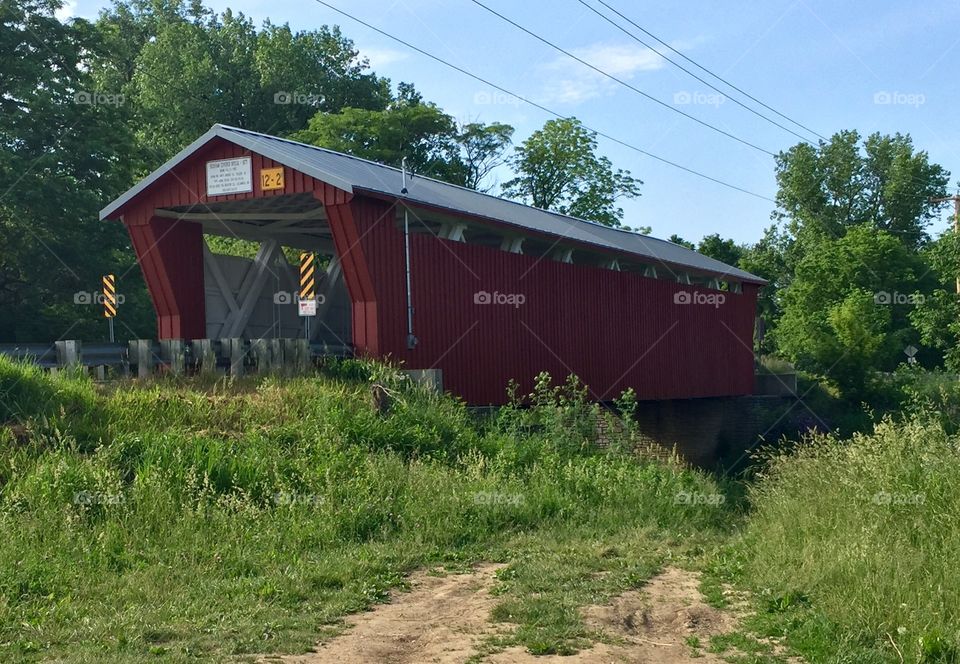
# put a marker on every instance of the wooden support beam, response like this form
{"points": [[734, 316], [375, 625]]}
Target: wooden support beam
{"points": [[253, 282], [317, 213], [563, 255], [512, 244], [453, 232], [331, 279]]}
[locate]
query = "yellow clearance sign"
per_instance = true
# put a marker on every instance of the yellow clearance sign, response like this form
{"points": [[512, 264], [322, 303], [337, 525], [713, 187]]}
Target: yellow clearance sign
{"points": [[271, 178]]}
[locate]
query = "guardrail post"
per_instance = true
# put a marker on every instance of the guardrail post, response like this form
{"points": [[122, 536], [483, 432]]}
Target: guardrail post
{"points": [[69, 353], [260, 349], [173, 355], [276, 354], [204, 356], [300, 355], [232, 349], [141, 354]]}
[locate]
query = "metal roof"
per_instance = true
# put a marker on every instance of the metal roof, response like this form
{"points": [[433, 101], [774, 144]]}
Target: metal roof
{"points": [[352, 173]]}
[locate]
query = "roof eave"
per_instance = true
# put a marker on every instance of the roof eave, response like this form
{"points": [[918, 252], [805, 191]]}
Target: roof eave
{"points": [[742, 275], [237, 137]]}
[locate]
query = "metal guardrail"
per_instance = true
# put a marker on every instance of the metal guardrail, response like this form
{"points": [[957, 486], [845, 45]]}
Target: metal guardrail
{"points": [[175, 356]]}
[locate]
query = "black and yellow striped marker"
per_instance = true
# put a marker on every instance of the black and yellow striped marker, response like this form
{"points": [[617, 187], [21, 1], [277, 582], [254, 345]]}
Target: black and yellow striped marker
{"points": [[308, 280], [109, 296]]}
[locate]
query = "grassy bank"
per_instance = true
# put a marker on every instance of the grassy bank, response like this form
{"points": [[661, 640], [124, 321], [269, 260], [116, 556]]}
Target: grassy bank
{"points": [[852, 546], [211, 520], [208, 520]]}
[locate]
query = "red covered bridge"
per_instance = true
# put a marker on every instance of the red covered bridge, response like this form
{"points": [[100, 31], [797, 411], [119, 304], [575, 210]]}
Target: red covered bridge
{"points": [[496, 290]]}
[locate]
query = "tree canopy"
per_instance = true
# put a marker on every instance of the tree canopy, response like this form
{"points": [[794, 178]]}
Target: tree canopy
{"points": [[558, 169]]}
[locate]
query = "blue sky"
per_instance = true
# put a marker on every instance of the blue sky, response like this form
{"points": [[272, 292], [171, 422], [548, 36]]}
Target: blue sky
{"points": [[872, 66]]}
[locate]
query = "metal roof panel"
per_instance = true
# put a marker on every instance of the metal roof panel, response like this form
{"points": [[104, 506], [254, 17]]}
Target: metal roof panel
{"points": [[348, 172]]}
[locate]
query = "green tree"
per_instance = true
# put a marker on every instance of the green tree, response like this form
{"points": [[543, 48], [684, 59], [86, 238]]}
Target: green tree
{"points": [[483, 148], [767, 259], [880, 185], [725, 251], [65, 152], [417, 131], [408, 128], [825, 190], [558, 169], [184, 68], [845, 313], [937, 316]]}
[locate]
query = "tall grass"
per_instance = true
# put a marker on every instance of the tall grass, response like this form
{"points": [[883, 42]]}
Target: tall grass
{"points": [[190, 519], [855, 545]]}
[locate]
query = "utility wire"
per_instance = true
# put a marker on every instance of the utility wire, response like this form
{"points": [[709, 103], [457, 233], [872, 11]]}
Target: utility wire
{"points": [[621, 81], [716, 76], [682, 68], [540, 106]]}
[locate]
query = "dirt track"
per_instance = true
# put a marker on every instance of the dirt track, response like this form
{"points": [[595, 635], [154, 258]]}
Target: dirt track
{"points": [[443, 620]]}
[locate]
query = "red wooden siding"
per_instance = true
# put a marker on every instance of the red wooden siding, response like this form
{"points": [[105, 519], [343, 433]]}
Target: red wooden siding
{"points": [[170, 252], [613, 329]]}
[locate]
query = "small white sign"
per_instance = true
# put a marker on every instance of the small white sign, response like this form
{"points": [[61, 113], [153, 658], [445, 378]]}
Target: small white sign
{"points": [[229, 176], [307, 307]]}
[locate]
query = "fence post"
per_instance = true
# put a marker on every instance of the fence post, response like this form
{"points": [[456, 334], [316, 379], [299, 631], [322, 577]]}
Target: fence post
{"points": [[141, 354], [302, 349], [296, 353], [260, 349], [172, 354], [276, 354], [232, 349], [204, 356], [69, 353]]}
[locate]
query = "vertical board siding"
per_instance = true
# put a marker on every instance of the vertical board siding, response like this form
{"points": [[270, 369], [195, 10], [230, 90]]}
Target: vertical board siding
{"points": [[170, 252], [613, 329]]}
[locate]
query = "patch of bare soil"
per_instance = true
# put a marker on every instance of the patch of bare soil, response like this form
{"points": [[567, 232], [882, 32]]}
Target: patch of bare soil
{"points": [[649, 626], [443, 619]]}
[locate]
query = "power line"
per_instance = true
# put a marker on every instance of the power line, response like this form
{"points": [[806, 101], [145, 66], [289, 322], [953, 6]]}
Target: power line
{"points": [[622, 82], [684, 69], [716, 76], [540, 106]]}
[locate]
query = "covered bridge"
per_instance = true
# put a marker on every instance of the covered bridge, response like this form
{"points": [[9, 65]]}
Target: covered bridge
{"points": [[497, 291]]}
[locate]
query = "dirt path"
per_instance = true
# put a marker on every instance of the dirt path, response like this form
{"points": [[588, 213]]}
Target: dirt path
{"points": [[440, 620], [443, 619]]}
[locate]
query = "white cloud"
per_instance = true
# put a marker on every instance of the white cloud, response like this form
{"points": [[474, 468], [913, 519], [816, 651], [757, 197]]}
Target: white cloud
{"points": [[571, 82], [381, 57]]}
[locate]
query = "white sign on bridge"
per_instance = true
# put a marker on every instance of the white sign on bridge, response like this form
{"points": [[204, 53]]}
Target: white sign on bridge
{"points": [[229, 176]]}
